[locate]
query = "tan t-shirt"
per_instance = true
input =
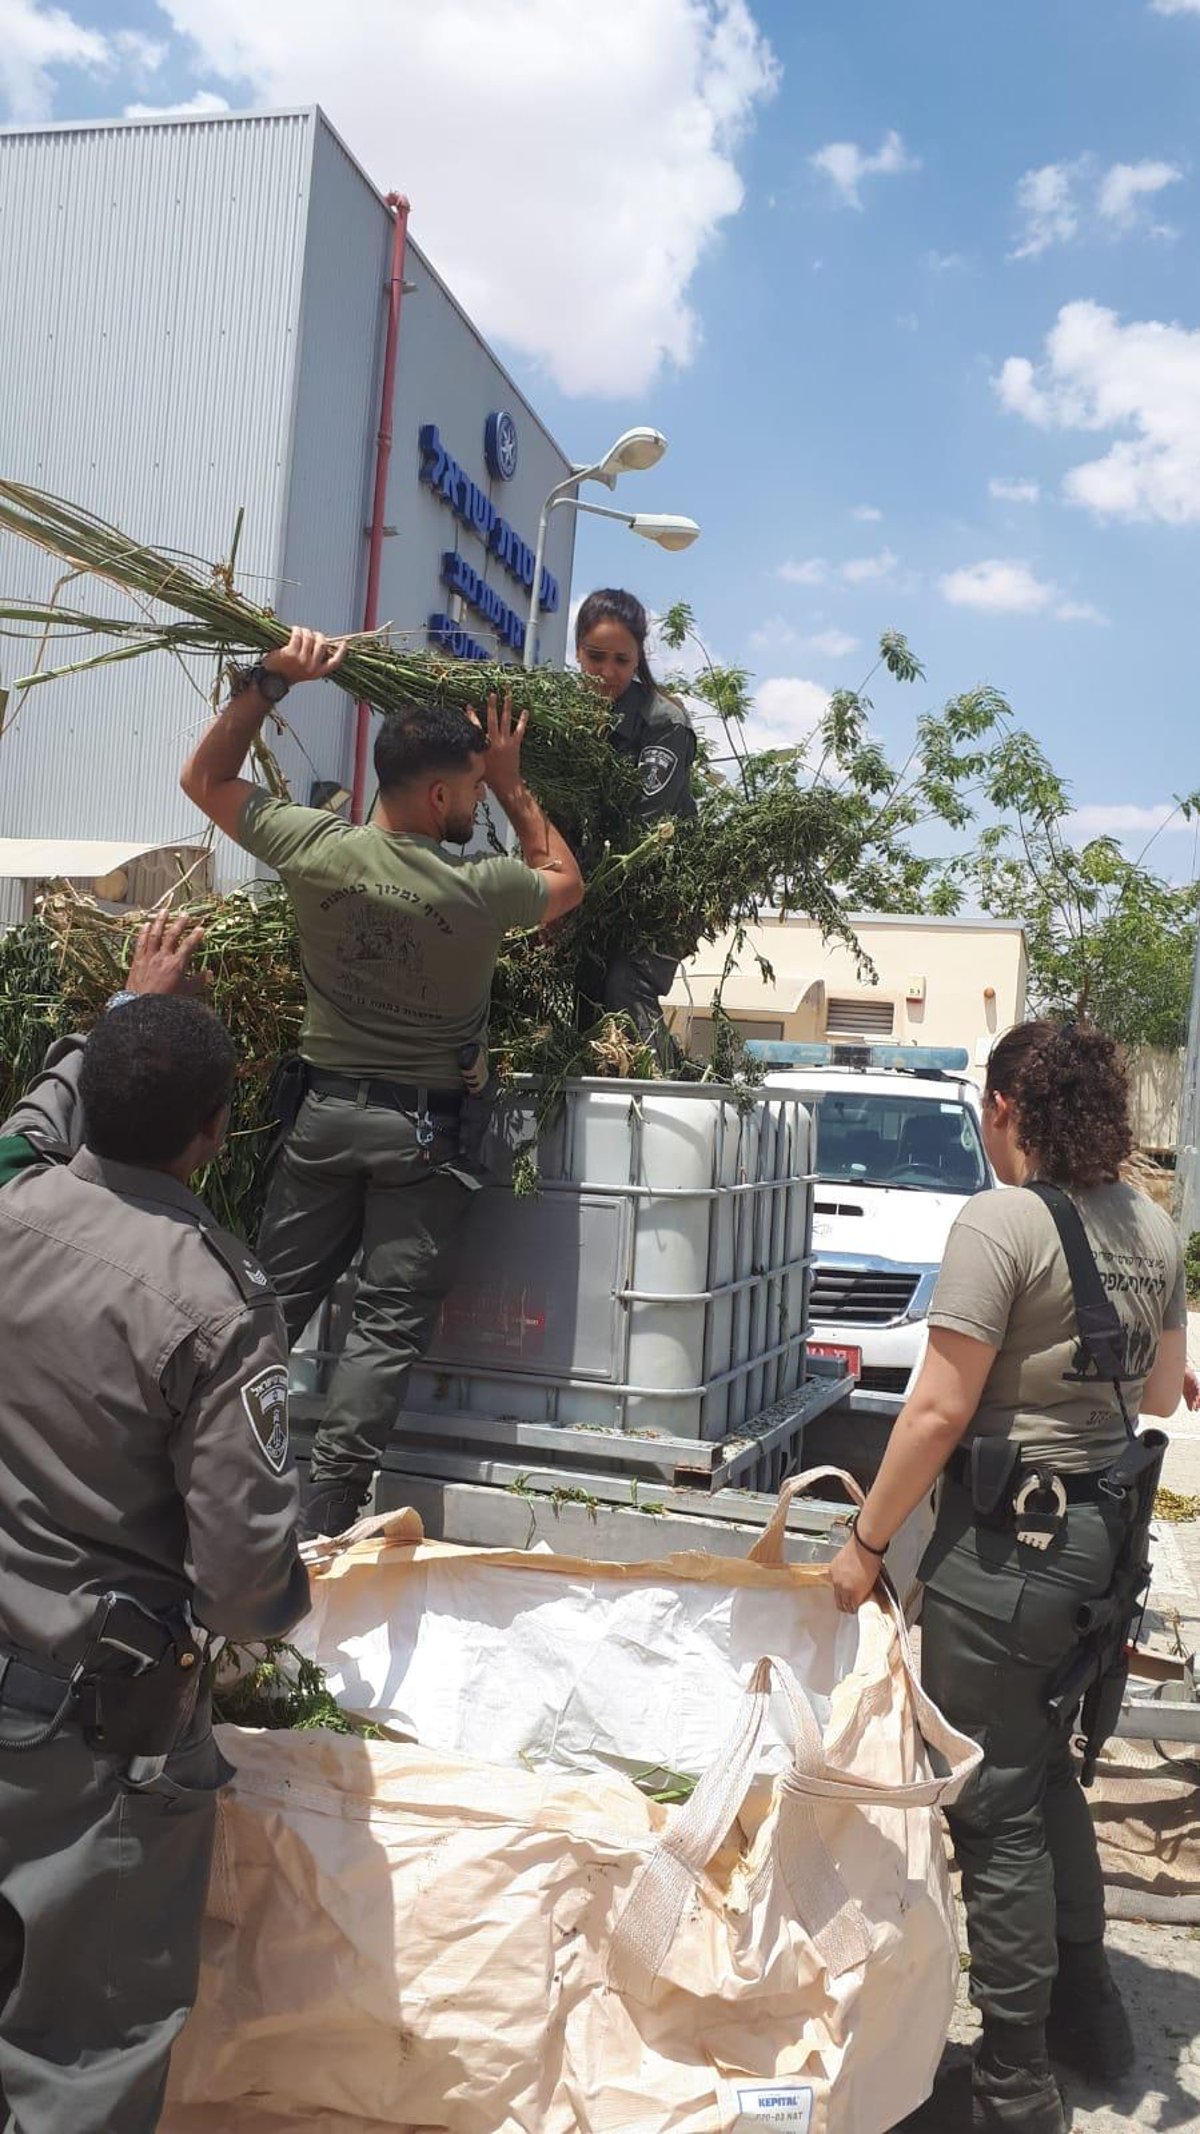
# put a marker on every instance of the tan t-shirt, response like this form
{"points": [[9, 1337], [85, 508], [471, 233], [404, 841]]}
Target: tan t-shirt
{"points": [[398, 938], [1004, 1280]]}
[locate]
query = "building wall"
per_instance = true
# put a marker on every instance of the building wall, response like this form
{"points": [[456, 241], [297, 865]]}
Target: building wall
{"points": [[138, 263], [933, 985], [192, 319]]}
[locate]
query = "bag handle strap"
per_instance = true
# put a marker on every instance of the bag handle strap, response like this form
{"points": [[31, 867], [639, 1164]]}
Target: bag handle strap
{"points": [[664, 1886], [768, 1549], [402, 1525], [1101, 1332]]}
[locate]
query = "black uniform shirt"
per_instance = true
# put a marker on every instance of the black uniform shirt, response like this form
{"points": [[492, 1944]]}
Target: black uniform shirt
{"points": [[659, 737]]}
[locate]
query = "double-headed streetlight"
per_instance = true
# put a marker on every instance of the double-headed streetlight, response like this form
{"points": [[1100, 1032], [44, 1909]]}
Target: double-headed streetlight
{"points": [[632, 453]]}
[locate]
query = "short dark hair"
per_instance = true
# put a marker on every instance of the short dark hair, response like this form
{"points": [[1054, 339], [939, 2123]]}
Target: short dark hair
{"points": [[156, 1071], [1068, 1088], [424, 740]]}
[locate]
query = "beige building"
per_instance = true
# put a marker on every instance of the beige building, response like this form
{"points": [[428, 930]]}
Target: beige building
{"points": [[939, 982]]}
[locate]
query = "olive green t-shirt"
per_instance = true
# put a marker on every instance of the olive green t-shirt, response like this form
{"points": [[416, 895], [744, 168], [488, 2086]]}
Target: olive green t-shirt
{"points": [[1004, 1280], [398, 938]]}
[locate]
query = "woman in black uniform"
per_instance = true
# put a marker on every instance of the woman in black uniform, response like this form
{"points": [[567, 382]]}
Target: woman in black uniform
{"points": [[655, 733], [1006, 1388]]}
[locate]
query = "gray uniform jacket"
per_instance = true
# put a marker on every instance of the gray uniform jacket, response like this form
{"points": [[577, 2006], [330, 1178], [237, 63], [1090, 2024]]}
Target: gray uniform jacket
{"points": [[143, 1412], [658, 736], [50, 1113]]}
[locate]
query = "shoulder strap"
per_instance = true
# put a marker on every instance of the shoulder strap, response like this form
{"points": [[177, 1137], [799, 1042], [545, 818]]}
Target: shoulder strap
{"points": [[1100, 1330], [252, 1280]]}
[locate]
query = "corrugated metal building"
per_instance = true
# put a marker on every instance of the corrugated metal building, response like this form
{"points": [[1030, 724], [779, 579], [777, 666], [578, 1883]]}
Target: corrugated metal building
{"points": [[192, 319]]}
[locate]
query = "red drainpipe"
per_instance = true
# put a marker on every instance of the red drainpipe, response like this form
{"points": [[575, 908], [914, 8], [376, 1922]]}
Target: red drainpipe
{"points": [[383, 452]]}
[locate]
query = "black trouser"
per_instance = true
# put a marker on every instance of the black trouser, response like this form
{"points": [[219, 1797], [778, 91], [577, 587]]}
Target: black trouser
{"points": [[102, 1892], [635, 985], [994, 1635], [352, 1174]]}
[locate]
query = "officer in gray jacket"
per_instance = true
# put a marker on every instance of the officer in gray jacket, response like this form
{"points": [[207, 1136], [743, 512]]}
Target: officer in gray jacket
{"points": [[148, 1507]]}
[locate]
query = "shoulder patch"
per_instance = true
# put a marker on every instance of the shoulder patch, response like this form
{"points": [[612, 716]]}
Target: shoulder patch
{"points": [[252, 1280], [265, 1400], [658, 766]]}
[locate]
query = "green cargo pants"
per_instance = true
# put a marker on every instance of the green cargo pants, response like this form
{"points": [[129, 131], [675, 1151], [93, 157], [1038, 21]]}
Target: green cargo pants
{"points": [[350, 1175], [997, 1622], [102, 1892]]}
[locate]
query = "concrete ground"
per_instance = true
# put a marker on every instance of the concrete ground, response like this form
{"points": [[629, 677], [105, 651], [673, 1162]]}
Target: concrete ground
{"points": [[1157, 1967]]}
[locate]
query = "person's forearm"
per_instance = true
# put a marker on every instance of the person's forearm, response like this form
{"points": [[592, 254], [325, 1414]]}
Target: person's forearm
{"points": [[541, 844], [919, 1447], [224, 748]]}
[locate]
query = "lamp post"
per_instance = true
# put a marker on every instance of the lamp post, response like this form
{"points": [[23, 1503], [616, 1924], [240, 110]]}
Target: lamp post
{"points": [[633, 452]]}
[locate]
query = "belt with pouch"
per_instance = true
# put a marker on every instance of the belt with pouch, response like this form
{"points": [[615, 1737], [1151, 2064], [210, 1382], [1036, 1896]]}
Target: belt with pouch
{"points": [[1091, 1488], [388, 1096]]}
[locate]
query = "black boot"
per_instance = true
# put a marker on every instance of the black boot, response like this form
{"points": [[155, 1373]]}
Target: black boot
{"points": [[1012, 2085], [1088, 2030], [328, 1508], [948, 2110]]}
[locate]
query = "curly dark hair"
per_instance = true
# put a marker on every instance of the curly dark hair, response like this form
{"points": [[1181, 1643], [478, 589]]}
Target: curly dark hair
{"points": [[1068, 1087]]}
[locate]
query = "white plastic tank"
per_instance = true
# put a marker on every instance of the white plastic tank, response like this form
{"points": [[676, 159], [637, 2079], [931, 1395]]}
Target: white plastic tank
{"points": [[658, 1281]]}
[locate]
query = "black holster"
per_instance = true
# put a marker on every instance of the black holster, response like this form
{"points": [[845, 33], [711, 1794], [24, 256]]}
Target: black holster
{"points": [[994, 1462], [289, 1087], [145, 1708], [473, 1122]]}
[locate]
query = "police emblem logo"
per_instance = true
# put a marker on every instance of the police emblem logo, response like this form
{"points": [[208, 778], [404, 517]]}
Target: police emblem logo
{"points": [[657, 766], [500, 446], [265, 1400]]}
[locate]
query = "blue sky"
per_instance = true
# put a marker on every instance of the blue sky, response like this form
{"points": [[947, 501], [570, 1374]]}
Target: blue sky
{"points": [[852, 257]]}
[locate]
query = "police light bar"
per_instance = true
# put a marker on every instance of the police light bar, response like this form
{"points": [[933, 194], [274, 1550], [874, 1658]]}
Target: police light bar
{"points": [[915, 1059]]}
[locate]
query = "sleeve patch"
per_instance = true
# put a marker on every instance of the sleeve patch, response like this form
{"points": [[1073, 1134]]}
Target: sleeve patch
{"points": [[658, 766], [265, 1400]]}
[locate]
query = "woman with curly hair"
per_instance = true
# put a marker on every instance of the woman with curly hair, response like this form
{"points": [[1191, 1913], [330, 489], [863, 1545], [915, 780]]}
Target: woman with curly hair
{"points": [[1006, 1387]]}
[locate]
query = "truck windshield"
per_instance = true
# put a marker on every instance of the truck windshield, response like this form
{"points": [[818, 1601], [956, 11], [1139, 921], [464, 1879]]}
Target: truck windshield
{"points": [[900, 1140]]}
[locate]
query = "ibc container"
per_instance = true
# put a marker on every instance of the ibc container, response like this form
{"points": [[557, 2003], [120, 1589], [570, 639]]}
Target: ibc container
{"points": [[658, 1283]]}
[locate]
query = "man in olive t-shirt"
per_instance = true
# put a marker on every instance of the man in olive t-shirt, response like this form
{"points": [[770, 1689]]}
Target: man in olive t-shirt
{"points": [[398, 942]]}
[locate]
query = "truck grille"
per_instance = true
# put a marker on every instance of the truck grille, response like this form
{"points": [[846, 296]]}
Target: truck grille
{"points": [[883, 1378], [865, 1296]]}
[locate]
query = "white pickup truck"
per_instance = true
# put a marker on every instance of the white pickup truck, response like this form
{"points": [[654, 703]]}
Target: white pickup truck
{"points": [[899, 1148]]}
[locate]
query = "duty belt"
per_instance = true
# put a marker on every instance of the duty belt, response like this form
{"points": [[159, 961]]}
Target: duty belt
{"points": [[390, 1096], [1089, 1488]]}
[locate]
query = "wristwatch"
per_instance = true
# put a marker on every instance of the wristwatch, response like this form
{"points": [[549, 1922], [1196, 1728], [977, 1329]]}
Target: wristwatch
{"points": [[273, 687], [118, 1000]]}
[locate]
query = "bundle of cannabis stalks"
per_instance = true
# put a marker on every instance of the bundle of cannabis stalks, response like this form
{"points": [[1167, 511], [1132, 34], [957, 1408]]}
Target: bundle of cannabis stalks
{"points": [[773, 840]]}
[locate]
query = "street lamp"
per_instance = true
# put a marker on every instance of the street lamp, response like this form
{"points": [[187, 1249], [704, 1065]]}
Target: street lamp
{"points": [[632, 453]]}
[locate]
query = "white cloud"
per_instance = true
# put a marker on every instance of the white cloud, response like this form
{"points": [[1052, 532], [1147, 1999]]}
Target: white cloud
{"points": [[34, 42], [1120, 819], [199, 106], [832, 644], [945, 262], [786, 711], [861, 570], [868, 513], [847, 165], [476, 110], [1007, 586], [1062, 201], [813, 572], [1175, 7], [1143, 378], [1080, 611], [1047, 199], [1013, 490], [1127, 185], [777, 635]]}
